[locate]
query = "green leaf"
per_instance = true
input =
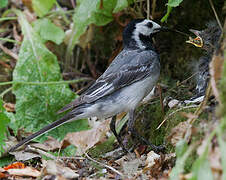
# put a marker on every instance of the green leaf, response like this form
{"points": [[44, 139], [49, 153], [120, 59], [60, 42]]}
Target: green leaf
{"points": [[170, 5], [3, 3], [182, 152], [165, 17], [222, 144], [121, 4], [201, 168], [181, 148], [4, 121], [174, 3], [36, 105], [6, 160], [49, 31], [89, 12], [42, 7]]}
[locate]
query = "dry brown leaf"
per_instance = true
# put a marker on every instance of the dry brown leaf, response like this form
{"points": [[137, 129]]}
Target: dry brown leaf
{"points": [[173, 103], [84, 140], [182, 130], [215, 162], [178, 132], [216, 67], [130, 168], [152, 157], [9, 107], [28, 171], [54, 168], [50, 144], [24, 156]]}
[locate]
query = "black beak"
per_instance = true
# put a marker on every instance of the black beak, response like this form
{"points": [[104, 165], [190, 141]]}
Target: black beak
{"points": [[166, 29]]}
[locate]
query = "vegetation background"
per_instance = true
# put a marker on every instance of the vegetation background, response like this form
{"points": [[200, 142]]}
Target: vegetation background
{"points": [[50, 51]]}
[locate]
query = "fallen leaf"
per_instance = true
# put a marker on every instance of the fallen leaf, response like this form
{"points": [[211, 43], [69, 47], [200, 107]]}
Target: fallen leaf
{"points": [[178, 132], [152, 157], [50, 144], [84, 140], [216, 67], [173, 103], [16, 165], [215, 162], [28, 171], [57, 169], [24, 156], [9, 107], [182, 130], [130, 167]]}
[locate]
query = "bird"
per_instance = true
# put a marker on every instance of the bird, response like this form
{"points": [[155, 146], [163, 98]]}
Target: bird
{"points": [[126, 82], [206, 39]]}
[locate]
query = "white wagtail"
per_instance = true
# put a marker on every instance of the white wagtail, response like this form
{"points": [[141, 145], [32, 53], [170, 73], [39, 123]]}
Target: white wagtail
{"points": [[206, 39], [129, 78]]}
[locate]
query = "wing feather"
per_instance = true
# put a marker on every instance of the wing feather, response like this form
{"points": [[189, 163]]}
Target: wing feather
{"points": [[109, 83]]}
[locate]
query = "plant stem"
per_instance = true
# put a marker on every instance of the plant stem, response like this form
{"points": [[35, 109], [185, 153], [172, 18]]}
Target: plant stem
{"points": [[44, 83]]}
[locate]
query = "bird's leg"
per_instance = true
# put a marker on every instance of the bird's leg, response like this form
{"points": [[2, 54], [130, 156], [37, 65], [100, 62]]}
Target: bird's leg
{"points": [[112, 127], [134, 133]]}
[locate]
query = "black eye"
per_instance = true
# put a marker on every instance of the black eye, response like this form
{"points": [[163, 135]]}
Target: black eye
{"points": [[150, 25]]}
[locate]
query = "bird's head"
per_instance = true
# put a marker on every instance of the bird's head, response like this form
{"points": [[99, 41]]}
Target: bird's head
{"points": [[206, 39], [138, 33]]}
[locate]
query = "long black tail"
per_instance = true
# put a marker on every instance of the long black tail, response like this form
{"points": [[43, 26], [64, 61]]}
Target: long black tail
{"points": [[44, 130]]}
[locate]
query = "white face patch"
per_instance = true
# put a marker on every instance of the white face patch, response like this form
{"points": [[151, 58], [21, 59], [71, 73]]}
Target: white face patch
{"points": [[143, 28]]}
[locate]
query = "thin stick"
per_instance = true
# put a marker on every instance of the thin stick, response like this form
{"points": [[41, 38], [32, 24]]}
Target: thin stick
{"points": [[148, 9], [44, 83], [215, 13], [171, 114], [7, 51], [10, 40], [153, 8], [5, 92], [161, 99], [41, 152], [203, 103], [109, 167]]}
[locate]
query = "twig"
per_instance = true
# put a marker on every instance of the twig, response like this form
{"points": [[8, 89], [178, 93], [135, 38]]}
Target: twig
{"points": [[7, 51], [7, 18], [109, 167], [44, 83], [9, 40], [41, 152], [153, 9], [215, 13], [5, 92], [161, 99], [203, 103], [171, 114], [148, 9]]}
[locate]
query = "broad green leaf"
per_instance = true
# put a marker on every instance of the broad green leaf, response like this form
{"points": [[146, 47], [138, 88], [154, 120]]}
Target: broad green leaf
{"points": [[36, 105], [42, 7], [201, 168], [222, 144], [182, 152], [181, 148], [174, 3], [121, 4], [6, 160], [49, 31], [4, 121], [3, 3], [170, 5], [165, 17], [88, 12]]}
